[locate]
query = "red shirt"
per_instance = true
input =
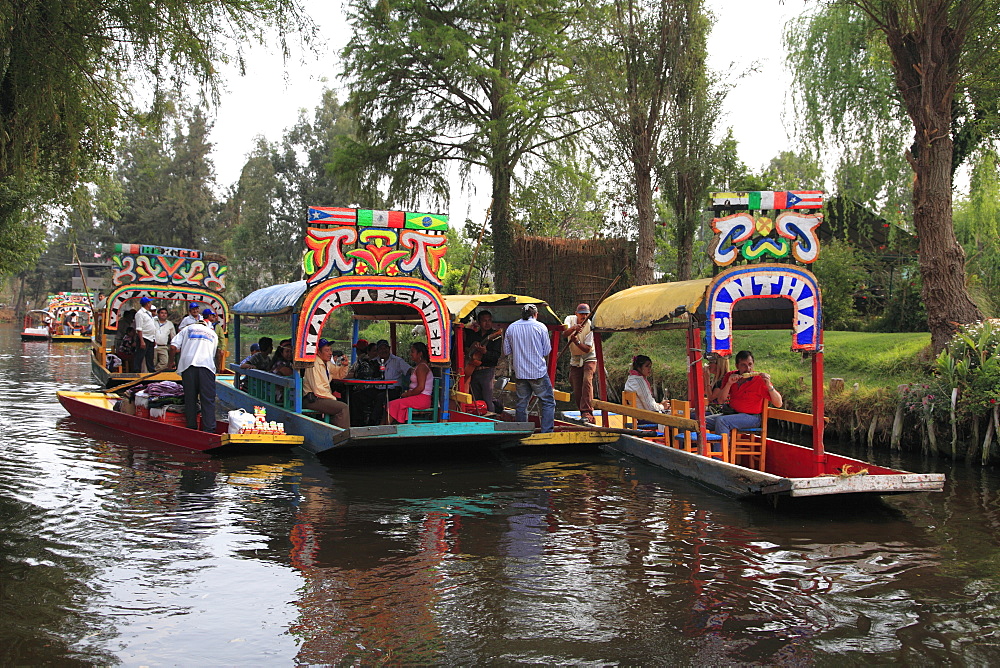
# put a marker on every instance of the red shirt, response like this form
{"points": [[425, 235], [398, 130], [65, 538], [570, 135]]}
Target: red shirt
{"points": [[747, 395]]}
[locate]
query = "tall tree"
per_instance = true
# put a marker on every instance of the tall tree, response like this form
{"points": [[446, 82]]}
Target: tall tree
{"points": [[935, 61], [480, 82], [636, 61], [66, 74], [562, 198]]}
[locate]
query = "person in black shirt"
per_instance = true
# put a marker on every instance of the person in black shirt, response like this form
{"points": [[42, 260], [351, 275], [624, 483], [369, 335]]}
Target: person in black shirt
{"points": [[485, 347]]}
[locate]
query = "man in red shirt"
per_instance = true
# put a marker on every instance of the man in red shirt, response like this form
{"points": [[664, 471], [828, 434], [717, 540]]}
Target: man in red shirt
{"points": [[743, 395]]}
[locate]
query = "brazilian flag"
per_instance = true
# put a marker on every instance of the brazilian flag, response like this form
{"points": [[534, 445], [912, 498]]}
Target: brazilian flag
{"points": [[427, 221]]}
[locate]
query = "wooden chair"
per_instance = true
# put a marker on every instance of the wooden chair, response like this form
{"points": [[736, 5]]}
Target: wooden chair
{"points": [[629, 399], [718, 444], [414, 415], [751, 443]]}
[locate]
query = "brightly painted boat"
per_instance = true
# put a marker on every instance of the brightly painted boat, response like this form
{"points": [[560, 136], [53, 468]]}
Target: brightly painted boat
{"points": [[36, 326], [780, 293], [98, 407], [171, 276], [379, 265], [505, 309], [72, 317]]}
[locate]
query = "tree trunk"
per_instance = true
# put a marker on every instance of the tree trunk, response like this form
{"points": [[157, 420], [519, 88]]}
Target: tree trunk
{"points": [[505, 269], [645, 265], [926, 66]]}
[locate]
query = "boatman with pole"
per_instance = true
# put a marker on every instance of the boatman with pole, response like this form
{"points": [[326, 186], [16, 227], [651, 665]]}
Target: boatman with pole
{"points": [[527, 342], [195, 345]]}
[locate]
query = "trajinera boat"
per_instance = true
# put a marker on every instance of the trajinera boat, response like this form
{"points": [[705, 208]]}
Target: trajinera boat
{"points": [[36, 326], [99, 408], [381, 265], [72, 317], [505, 309], [779, 293], [179, 276]]}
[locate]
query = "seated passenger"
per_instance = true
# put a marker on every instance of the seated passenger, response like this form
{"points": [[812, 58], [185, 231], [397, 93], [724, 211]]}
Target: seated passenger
{"points": [[421, 385], [743, 394], [392, 366], [254, 348], [638, 382], [316, 385], [281, 363], [261, 360]]}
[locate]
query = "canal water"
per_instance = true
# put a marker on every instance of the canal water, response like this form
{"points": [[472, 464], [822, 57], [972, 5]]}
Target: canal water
{"points": [[118, 551]]}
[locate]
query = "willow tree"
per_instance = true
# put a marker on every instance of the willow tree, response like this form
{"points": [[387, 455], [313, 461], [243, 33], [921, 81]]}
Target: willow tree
{"points": [[637, 62], [67, 70], [872, 71], [480, 83]]}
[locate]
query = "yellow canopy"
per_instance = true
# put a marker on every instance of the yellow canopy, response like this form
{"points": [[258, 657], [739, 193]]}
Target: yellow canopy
{"points": [[460, 306], [641, 306]]}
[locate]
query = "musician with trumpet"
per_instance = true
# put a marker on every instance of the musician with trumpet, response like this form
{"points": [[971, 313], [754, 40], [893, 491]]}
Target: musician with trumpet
{"points": [[485, 343], [743, 394]]}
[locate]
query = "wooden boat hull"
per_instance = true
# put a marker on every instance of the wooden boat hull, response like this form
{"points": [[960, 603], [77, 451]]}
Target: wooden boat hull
{"points": [[98, 408], [565, 433], [34, 336], [322, 437], [787, 472], [71, 338]]}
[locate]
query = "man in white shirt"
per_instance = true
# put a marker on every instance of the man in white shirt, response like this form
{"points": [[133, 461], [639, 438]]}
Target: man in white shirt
{"points": [[527, 342], [582, 361], [196, 345], [191, 318], [145, 332], [165, 331]]}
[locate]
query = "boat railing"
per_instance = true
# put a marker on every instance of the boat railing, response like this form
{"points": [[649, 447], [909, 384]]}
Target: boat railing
{"points": [[283, 391]]}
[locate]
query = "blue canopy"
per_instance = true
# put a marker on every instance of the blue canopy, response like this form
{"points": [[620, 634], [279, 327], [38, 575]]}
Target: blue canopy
{"points": [[272, 300]]}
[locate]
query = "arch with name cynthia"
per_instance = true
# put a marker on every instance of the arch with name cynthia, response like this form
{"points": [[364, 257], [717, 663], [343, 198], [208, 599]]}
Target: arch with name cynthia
{"points": [[326, 297], [124, 293], [778, 281]]}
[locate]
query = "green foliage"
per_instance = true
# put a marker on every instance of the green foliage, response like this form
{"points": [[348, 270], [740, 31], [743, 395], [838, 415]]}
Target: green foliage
{"points": [[563, 198], [481, 82], [977, 227], [66, 74], [904, 310], [793, 171], [840, 271]]}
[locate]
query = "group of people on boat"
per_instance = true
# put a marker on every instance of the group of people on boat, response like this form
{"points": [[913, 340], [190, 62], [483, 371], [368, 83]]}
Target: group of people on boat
{"points": [[735, 399], [143, 344]]}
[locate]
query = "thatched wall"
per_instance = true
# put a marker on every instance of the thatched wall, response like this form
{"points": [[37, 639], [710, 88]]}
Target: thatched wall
{"points": [[565, 272]]}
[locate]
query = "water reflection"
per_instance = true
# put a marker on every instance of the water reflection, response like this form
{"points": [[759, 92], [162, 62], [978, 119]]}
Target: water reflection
{"points": [[119, 550]]}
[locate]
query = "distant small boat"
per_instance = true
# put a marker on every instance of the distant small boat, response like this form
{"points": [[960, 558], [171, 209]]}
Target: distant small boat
{"points": [[99, 408], [36, 326]]}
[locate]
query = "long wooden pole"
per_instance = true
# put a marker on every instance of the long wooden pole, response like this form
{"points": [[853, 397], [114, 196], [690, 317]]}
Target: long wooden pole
{"points": [[475, 251]]}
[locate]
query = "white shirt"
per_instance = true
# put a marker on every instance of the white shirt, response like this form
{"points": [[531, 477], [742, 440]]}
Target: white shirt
{"points": [[164, 332], [643, 395], [188, 320], [584, 336], [527, 341], [197, 344], [145, 323]]}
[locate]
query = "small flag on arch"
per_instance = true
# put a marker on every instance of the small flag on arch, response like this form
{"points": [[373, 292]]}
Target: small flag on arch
{"points": [[373, 218], [333, 215], [426, 221]]}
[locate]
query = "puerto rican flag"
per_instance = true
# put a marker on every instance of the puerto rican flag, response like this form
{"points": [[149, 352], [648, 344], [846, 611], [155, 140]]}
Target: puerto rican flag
{"points": [[333, 215], [804, 199]]}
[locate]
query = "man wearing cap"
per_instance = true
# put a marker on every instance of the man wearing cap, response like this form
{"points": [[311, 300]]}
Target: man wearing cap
{"points": [[316, 386], [191, 318], [582, 361], [164, 333], [196, 346], [145, 332], [527, 342]]}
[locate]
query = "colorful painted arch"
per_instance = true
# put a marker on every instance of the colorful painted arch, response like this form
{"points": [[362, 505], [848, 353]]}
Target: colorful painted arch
{"points": [[326, 297], [779, 281], [120, 295]]}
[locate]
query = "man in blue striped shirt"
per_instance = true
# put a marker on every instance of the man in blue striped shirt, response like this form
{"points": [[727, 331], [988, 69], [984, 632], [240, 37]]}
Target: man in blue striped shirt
{"points": [[527, 342]]}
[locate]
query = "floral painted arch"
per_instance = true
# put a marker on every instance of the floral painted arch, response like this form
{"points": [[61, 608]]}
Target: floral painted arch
{"points": [[324, 298], [124, 293], [762, 281]]}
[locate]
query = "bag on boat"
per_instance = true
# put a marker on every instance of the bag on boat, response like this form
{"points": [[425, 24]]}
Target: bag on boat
{"points": [[240, 419]]}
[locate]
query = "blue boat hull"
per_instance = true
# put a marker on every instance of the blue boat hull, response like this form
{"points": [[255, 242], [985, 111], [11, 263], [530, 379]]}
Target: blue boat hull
{"points": [[322, 437]]}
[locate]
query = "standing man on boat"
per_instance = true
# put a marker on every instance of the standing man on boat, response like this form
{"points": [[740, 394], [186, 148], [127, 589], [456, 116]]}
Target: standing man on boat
{"points": [[527, 342], [583, 360], [191, 318], [485, 349], [165, 332], [196, 345], [145, 331]]}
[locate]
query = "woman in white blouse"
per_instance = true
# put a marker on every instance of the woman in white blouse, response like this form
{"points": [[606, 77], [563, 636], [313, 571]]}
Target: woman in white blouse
{"points": [[638, 382]]}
